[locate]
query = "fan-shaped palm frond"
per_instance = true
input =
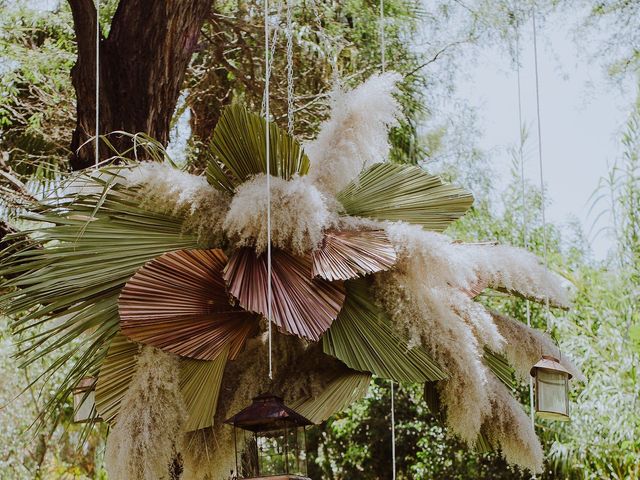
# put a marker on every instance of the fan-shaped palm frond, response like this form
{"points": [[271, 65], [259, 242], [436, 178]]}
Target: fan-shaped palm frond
{"points": [[302, 305], [351, 254], [407, 193], [363, 338], [238, 150], [338, 395], [178, 302], [92, 245], [200, 382]]}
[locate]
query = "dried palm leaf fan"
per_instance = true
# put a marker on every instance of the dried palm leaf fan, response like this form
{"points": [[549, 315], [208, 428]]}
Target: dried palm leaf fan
{"points": [[158, 269]]}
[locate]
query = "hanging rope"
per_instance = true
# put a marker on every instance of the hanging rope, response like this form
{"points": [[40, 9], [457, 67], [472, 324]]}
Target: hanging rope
{"points": [[97, 91], [267, 63], [383, 46], [393, 433], [383, 65], [289, 34], [525, 229]]}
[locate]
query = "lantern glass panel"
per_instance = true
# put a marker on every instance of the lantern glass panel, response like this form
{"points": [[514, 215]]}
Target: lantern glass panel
{"points": [[552, 394]]}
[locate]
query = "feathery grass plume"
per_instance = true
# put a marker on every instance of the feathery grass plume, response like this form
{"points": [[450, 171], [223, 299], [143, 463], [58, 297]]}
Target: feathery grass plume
{"points": [[509, 428], [517, 271], [524, 346], [420, 296], [298, 217], [149, 427], [356, 134], [166, 189], [449, 269]]}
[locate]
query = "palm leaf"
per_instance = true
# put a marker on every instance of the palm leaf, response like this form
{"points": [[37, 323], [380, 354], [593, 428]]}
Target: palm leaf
{"points": [[302, 305], [115, 375], [178, 302], [68, 288], [338, 395], [363, 338], [387, 191], [200, 382], [351, 254], [238, 150], [500, 368]]}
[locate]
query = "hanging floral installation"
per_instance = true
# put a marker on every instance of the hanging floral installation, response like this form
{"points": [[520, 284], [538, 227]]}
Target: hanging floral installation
{"points": [[162, 275]]}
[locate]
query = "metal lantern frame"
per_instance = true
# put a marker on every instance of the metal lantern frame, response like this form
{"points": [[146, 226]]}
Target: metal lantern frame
{"points": [[550, 365], [269, 417]]}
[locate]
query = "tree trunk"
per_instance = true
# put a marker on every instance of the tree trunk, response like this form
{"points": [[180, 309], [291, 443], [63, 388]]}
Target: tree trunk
{"points": [[142, 67]]}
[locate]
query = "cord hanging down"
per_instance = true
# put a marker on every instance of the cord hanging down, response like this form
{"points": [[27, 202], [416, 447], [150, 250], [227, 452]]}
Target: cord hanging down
{"points": [[97, 87], [525, 229], [267, 155]]}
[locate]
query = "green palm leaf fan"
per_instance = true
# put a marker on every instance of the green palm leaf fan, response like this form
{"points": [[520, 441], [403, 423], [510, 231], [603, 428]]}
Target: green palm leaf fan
{"points": [[387, 191], [237, 150], [363, 338], [68, 288]]}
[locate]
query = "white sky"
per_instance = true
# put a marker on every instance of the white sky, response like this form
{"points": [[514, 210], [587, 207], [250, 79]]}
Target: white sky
{"points": [[582, 116]]}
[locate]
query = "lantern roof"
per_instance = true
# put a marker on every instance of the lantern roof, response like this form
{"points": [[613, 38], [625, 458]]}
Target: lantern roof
{"points": [[267, 412], [548, 362]]}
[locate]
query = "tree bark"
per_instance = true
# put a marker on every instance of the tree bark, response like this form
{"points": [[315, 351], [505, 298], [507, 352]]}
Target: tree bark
{"points": [[143, 61]]}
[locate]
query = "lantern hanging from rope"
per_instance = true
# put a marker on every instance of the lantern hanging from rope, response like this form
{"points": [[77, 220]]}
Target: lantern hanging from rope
{"points": [[276, 444], [551, 385]]}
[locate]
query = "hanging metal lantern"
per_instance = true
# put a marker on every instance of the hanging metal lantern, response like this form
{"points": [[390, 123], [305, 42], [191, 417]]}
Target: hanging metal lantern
{"points": [[551, 382], [84, 400], [272, 440]]}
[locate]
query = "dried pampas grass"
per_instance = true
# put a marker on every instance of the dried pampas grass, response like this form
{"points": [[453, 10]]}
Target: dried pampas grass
{"points": [[429, 296], [168, 190], [509, 428], [298, 217], [149, 428], [356, 134], [517, 271], [524, 346]]}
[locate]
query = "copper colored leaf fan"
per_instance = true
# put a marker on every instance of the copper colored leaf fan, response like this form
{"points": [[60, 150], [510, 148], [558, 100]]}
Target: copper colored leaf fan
{"points": [[301, 305], [178, 302], [351, 254]]}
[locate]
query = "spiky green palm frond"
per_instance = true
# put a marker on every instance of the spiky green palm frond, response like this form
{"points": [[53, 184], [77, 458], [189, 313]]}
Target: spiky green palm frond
{"points": [[238, 150], [67, 288], [406, 193], [363, 338]]}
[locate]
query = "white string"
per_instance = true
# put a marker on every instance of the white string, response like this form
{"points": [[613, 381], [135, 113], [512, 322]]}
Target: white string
{"points": [[290, 98], [540, 162], [383, 64], [97, 92], [383, 47], [393, 433], [525, 230], [267, 148]]}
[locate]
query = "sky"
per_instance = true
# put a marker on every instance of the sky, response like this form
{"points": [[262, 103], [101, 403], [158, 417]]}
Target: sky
{"points": [[582, 115]]}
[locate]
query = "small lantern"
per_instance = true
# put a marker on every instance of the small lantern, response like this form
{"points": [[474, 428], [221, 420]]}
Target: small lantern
{"points": [[275, 440], [551, 389], [84, 400]]}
